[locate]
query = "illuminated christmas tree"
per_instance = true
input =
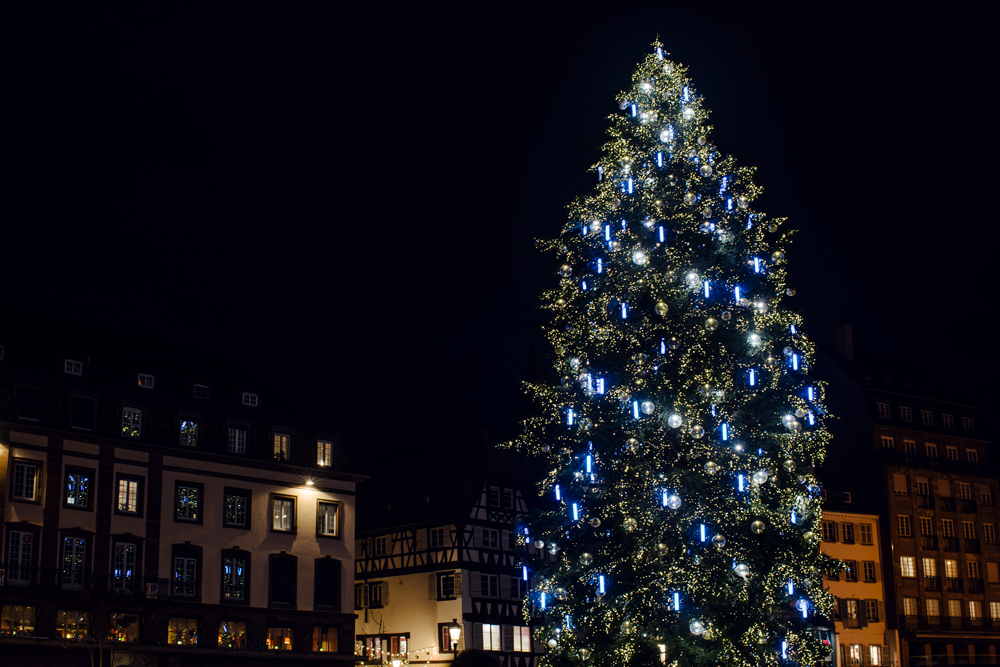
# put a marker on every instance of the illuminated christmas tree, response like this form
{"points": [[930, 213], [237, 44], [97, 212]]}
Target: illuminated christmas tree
{"points": [[682, 425]]}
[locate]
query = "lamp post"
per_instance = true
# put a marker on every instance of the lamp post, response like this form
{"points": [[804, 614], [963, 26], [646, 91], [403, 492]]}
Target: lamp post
{"points": [[454, 631]]}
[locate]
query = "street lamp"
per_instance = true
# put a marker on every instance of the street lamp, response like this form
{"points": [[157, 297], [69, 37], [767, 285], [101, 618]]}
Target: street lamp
{"points": [[454, 631]]}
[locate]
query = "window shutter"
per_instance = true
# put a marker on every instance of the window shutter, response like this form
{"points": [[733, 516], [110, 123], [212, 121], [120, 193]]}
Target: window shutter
{"points": [[364, 594], [385, 593], [511, 540], [899, 483], [843, 655], [478, 536], [506, 638], [421, 535], [433, 581], [885, 654], [944, 488], [504, 587], [862, 613], [458, 584], [477, 635], [476, 583], [881, 614], [842, 607], [505, 540]]}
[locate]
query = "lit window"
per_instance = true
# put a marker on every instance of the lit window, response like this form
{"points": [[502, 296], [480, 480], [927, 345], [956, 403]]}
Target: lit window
{"points": [[72, 367], [522, 639], [124, 627], [189, 433], [25, 486], [187, 507], [955, 608], [233, 577], [202, 391], [182, 631], [909, 606], [250, 399], [78, 488], [489, 638], [237, 440], [951, 568], [72, 624], [237, 509], [995, 611], [975, 610], [128, 495], [930, 567], [328, 519], [124, 574], [325, 638], [279, 639], [874, 650], [933, 606], [908, 566], [283, 514], [131, 422], [18, 620], [232, 634], [185, 576], [324, 453], [73, 563], [281, 441]]}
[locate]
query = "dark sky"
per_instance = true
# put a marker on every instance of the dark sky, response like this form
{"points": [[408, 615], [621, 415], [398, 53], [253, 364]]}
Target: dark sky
{"points": [[347, 198]]}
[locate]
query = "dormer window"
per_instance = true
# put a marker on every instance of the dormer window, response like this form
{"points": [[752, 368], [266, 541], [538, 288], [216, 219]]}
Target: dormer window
{"points": [[250, 399], [146, 380], [72, 367], [202, 391]]}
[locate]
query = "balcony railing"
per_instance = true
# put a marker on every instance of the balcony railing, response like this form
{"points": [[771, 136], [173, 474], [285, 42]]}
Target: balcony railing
{"points": [[953, 584], [954, 623], [52, 580], [932, 583], [947, 504], [928, 541], [950, 543], [968, 505], [971, 546], [925, 501], [976, 586]]}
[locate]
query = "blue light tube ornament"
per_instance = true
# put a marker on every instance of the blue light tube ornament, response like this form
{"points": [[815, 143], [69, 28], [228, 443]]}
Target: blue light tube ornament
{"points": [[558, 493], [741, 483], [659, 158], [576, 512], [624, 311], [725, 431], [569, 417], [677, 601], [600, 385], [635, 409], [663, 234], [589, 463], [524, 573], [703, 532], [542, 600], [600, 584], [753, 378]]}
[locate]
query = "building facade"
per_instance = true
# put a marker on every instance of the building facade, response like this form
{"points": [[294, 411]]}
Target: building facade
{"points": [[441, 551], [161, 510]]}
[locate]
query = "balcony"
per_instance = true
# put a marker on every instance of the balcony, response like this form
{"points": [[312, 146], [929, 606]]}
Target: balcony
{"points": [[932, 583], [953, 584], [968, 505], [953, 623], [947, 504], [971, 546], [950, 543], [925, 502], [928, 541], [976, 586]]}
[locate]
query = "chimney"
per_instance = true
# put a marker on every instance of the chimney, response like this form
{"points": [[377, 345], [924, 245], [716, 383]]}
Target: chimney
{"points": [[843, 340]]}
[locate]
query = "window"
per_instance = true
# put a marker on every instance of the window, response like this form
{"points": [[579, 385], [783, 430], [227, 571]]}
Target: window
{"points": [[129, 495], [965, 490], [883, 409], [923, 486], [947, 528], [948, 421], [489, 538], [900, 485], [437, 537], [968, 424], [360, 596], [124, 573], [78, 487], [871, 611], [131, 422], [325, 638], [926, 525], [328, 519], [507, 499], [187, 502], [994, 611], [279, 638], [232, 634], [487, 636], [910, 448], [25, 486], [829, 531], [20, 549], [993, 573], [324, 453], [931, 449], [933, 607], [146, 380], [326, 581], [869, 570], [985, 495], [875, 652], [951, 568], [903, 525], [185, 576], [866, 533], [969, 530], [18, 620], [72, 624], [250, 399], [926, 417], [237, 440], [852, 657], [283, 514], [189, 433], [202, 391], [851, 573], [951, 453], [989, 533], [909, 606], [489, 586], [908, 566], [520, 639], [930, 567], [493, 496], [235, 573], [905, 414], [124, 627], [282, 580], [972, 456], [847, 533], [975, 610], [82, 412], [30, 403], [847, 497], [182, 631], [888, 443], [449, 585], [72, 367], [236, 513], [955, 608], [74, 555], [972, 569], [518, 588], [852, 619], [379, 546], [281, 441]]}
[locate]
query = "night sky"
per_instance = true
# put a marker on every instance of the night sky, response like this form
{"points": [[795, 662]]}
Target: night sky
{"points": [[347, 198]]}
